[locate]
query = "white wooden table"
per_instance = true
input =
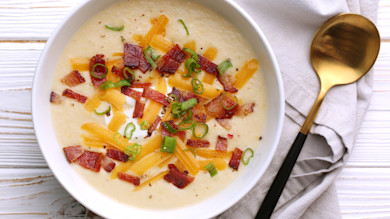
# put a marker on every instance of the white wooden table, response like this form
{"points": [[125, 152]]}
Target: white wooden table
{"points": [[27, 187]]}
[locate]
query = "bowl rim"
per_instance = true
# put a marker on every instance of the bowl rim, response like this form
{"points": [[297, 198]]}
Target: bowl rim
{"points": [[40, 133]]}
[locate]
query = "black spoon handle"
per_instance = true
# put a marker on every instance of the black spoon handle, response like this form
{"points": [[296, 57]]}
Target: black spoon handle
{"points": [[281, 178]]}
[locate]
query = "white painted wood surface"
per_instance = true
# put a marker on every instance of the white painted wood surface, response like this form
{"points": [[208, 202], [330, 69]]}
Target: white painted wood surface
{"points": [[29, 190]]}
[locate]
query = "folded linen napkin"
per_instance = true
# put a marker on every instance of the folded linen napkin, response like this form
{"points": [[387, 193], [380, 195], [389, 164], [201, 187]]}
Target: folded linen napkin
{"points": [[310, 193]]}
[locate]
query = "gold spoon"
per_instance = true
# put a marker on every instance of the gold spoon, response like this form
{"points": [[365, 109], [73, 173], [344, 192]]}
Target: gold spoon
{"points": [[343, 50]]}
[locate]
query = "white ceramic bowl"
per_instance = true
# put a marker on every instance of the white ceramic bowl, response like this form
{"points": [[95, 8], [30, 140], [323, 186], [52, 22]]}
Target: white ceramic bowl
{"points": [[107, 207]]}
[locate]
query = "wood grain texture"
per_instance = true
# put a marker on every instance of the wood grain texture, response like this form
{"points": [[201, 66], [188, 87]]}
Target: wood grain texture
{"points": [[29, 190]]}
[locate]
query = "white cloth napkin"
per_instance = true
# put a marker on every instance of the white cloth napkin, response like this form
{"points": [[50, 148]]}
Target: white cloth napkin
{"points": [[310, 193]]}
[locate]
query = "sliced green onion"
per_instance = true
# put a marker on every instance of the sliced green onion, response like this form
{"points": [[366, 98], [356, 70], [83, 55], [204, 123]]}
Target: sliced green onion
{"points": [[192, 52], [168, 145], [185, 125], [188, 104], [175, 98], [127, 70], [206, 130], [132, 151], [190, 149], [168, 127], [115, 137], [122, 83], [176, 110], [224, 66], [115, 28], [93, 71], [145, 125], [245, 159], [149, 59], [225, 107], [184, 25], [109, 84], [189, 115], [130, 128], [195, 86], [211, 169], [104, 112]]}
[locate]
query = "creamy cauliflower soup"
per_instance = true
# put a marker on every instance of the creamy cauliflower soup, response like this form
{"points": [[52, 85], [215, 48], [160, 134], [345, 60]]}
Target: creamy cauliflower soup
{"points": [[158, 103]]}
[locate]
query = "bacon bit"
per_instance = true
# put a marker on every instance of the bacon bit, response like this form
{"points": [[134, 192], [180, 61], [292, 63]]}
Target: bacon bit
{"points": [[131, 93], [118, 71], [207, 65], [215, 109], [171, 61], [71, 94], [55, 98], [227, 82], [90, 160], [73, 152], [224, 123], [156, 96], [154, 126], [198, 115], [164, 132], [141, 85], [198, 143], [144, 64], [139, 109], [183, 96], [230, 136], [129, 178], [246, 109], [236, 157], [177, 178], [117, 155], [221, 144], [132, 55], [107, 164], [72, 79], [99, 70]]}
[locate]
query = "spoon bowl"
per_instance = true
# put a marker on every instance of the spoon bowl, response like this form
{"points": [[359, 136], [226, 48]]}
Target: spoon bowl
{"points": [[343, 50]]}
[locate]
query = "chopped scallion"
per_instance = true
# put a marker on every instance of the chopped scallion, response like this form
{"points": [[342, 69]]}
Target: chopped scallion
{"points": [[130, 128], [168, 145], [150, 57], [225, 107], [104, 112], [224, 66], [145, 125], [245, 158], [192, 52], [196, 84], [101, 76], [172, 98], [116, 135], [211, 169], [115, 28], [109, 84], [168, 127], [126, 71], [188, 104], [204, 133], [185, 125], [132, 151], [184, 25]]}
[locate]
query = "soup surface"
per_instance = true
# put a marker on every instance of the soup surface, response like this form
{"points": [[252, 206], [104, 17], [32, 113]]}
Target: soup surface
{"points": [[161, 24]]}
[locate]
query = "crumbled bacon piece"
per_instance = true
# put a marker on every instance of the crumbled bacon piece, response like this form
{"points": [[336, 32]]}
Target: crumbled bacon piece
{"points": [[155, 96], [132, 55], [131, 93], [139, 109], [183, 96], [224, 123], [171, 61], [71, 94], [73, 78], [215, 109], [198, 143], [90, 160], [227, 82], [99, 70], [236, 157], [221, 144], [144, 64], [207, 65], [177, 178], [117, 155], [55, 98], [140, 85], [198, 116], [118, 71], [154, 126], [107, 164], [246, 109], [165, 132], [73, 152], [129, 178]]}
